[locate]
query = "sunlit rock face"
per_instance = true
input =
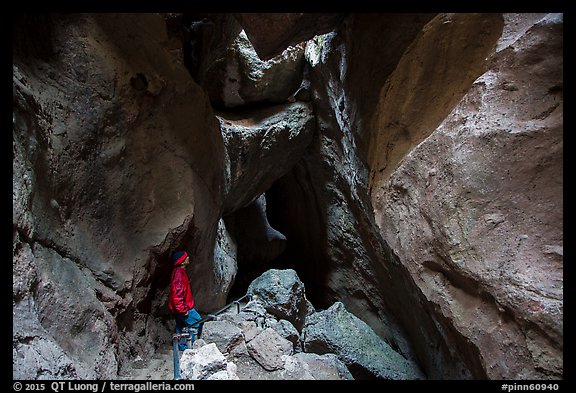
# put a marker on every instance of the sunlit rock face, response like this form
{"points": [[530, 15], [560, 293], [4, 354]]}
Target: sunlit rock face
{"points": [[475, 211], [459, 143]]}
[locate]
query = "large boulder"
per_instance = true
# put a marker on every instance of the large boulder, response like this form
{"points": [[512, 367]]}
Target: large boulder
{"points": [[282, 294], [240, 78], [202, 362], [262, 146], [272, 33], [366, 355], [224, 334]]}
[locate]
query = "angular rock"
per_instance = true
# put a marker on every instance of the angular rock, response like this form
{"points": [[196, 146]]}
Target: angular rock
{"points": [[202, 363], [268, 349], [229, 374], [249, 329], [288, 331], [322, 205], [261, 146], [224, 334], [282, 294], [366, 355], [295, 369]]}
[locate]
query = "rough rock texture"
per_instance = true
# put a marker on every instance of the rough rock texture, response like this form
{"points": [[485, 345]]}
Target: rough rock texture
{"points": [[268, 349], [224, 334], [334, 245], [322, 205], [272, 33], [262, 146], [240, 78], [432, 75], [202, 362], [475, 212], [252, 341], [282, 294], [206, 38], [117, 160], [226, 263], [366, 355], [323, 367]]}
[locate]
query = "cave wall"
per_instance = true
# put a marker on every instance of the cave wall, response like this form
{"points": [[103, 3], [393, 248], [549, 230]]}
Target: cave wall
{"points": [[117, 160], [475, 212]]}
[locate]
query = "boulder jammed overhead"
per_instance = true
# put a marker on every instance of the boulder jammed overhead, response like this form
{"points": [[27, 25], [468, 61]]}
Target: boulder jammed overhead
{"points": [[272, 33], [261, 146]]}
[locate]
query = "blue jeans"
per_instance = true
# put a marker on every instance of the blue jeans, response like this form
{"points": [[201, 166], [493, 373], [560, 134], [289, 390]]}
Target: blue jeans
{"points": [[182, 322]]}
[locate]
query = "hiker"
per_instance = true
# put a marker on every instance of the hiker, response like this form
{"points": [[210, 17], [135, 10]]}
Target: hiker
{"points": [[181, 302]]}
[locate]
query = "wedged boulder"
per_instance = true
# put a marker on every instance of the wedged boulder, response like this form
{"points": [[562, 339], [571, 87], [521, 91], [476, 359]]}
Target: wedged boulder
{"points": [[282, 294], [272, 33], [262, 146], [366, 355], [239, 77], [268, 349]]}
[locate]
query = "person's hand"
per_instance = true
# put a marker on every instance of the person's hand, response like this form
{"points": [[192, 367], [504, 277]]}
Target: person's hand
{"points": [[186, 314]]}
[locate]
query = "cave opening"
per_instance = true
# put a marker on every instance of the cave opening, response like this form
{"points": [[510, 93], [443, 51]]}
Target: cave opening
{"points": [[285, 227], [290, 235]]}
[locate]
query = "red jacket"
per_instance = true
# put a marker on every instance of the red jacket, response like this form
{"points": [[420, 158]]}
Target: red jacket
{"points": [[180, 300]]}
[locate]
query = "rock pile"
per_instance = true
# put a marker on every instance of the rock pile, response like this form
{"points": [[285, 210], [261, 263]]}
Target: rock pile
{"points": [[279, 335]]}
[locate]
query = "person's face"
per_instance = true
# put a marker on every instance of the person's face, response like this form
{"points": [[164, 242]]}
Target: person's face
{"points": [[186, 261]]}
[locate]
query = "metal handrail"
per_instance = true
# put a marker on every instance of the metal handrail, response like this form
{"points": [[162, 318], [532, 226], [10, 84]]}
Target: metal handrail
{"points": [[213, 315], [186, 333]]}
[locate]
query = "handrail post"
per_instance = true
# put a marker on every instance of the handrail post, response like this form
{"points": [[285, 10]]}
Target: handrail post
{"points": [[175, 340]]}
